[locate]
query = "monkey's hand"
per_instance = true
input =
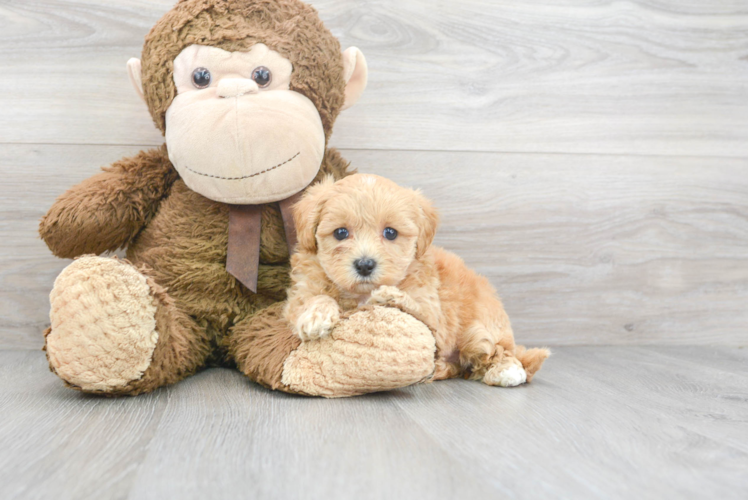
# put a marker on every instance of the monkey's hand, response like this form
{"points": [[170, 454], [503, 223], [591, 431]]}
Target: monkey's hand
{"points": [[108, 210], [320, 315]]}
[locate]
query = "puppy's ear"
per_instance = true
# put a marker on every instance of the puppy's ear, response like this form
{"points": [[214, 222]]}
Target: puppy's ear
{"points": [[427, 224], [306, 213]]}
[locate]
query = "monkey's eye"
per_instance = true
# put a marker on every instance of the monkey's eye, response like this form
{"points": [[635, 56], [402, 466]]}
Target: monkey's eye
{"points": [[201, 78], [390, 233], [340, 233], [262, 76]]}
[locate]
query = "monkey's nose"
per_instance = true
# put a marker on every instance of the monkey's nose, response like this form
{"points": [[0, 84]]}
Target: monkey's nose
{"points": [[234, 87], [364, 266]]}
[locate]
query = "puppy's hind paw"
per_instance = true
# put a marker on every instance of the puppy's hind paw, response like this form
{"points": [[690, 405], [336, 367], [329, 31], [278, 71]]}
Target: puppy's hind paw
{"points": [[319, 318], [507, 377]]}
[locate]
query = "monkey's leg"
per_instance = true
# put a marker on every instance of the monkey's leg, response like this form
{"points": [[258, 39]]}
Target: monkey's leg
{"points": [[115, 331], [369, 350]]}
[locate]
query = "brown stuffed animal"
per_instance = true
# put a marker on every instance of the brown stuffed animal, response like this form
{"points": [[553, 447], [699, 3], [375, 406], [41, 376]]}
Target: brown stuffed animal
{"points": [[246, 93]]}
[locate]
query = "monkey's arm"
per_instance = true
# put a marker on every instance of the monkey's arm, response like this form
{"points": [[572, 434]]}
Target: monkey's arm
{"points": [[106, 211]]}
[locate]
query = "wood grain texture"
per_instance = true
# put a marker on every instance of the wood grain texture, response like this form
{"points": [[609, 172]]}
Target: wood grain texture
{"points": [[655, 77], [272, 445], [597, 422], [584, 249], [602, 423], [590, 249], [59, 443]]}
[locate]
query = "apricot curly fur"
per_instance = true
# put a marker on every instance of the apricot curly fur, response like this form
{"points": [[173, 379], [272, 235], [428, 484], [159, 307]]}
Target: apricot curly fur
{"points": [[473, 333]]}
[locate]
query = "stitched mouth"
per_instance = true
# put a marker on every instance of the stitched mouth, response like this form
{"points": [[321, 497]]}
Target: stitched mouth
{"points": [[243, 176]]}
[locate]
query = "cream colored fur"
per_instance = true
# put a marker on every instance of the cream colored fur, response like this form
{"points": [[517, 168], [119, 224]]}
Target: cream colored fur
{"points": [[356, 359], [355, 73], [103, 324], [318, 319], [225, 157], [473, 333], [235, 142]]}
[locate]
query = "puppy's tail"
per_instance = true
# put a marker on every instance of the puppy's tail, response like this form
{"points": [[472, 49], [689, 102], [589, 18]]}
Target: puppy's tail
{"points": [[531, 359]]}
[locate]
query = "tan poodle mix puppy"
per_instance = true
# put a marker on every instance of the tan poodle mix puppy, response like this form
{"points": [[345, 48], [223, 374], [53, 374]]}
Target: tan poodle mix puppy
{"points": [[364, 240]]}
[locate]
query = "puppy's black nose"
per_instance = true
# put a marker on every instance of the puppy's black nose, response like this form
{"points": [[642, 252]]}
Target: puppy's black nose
{"points": [[365, 266]]}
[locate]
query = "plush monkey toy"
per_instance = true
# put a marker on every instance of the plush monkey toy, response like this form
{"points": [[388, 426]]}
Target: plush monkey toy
{"points": [[246, 93]]}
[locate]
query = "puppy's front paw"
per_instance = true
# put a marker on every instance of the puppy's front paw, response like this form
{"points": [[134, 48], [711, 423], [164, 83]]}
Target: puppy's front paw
{"points": [[318, 319], [387, 296]]}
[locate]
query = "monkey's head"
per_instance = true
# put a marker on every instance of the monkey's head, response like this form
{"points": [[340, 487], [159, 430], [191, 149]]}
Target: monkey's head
{"points": [[246, 93]]}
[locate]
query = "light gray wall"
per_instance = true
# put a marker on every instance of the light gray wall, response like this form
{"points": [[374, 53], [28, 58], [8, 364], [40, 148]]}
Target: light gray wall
{"points": [[591, 158]]}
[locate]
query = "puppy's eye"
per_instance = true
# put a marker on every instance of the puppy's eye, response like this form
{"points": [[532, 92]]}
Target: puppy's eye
{"points": [[262, 76], [201, 78], [340, 233], [390, 233]]}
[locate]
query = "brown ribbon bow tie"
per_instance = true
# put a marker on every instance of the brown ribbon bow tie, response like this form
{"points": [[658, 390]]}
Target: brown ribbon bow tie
{"points": [[245, 221]]}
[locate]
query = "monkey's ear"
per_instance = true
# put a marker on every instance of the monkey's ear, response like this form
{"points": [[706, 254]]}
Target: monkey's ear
{"points": [[306, 214], [355, 73], [134, 70], [429, 220]]}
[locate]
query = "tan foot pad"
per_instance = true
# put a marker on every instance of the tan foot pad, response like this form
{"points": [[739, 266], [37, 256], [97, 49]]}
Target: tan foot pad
{"points": [[103, 324], [376, 349]]}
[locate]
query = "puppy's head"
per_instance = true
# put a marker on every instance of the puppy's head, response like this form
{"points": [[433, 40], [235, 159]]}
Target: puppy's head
{"points": [[365, 229]]}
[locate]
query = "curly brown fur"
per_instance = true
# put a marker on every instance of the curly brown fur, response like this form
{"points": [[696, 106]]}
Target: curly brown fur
{"points": [[473, 333], [178, 235], [290, 27], [190, 264], [182, 348], [260, 344], [107, 211]]}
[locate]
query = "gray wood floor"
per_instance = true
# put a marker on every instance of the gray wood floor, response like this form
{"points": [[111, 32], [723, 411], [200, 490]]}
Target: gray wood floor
{"points": [[599, 422]]}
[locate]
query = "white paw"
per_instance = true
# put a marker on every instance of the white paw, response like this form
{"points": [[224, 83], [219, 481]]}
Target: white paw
{"points": [[508, 377], [386, 295], [318, 320]]}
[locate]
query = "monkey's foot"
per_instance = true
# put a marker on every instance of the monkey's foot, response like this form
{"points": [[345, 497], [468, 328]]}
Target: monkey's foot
{"points": [[370, 350], [103, 329]]}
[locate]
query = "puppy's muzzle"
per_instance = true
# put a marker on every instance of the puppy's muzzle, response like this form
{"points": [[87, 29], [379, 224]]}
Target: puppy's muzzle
{"points": [[364, 267]]}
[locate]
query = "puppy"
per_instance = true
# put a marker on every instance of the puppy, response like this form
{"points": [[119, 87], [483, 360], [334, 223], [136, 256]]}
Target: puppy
{"points": [[364, 240]]}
